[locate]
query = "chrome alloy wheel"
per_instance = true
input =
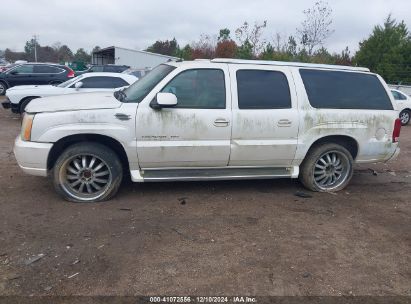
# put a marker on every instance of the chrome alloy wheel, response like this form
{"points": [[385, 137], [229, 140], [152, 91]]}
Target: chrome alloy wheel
{"points": [[331, 170], [405, 117], [85, 177]]}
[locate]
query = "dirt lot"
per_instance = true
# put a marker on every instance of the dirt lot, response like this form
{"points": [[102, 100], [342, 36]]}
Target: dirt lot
{"points": [[208, 238]]}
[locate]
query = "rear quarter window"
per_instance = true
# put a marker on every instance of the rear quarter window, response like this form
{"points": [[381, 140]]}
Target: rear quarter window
{"points": [[345, 90]]}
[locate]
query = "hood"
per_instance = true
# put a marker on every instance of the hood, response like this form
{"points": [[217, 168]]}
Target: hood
{"points": [[74, 102], [32, 87]]}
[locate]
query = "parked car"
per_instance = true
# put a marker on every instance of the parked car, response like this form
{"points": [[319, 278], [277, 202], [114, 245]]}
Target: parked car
{"points": [[3, 64], [7, 67], [34, 73], [403, 105], [112, 68], [210, 120], [139, 73], [19, 97]]}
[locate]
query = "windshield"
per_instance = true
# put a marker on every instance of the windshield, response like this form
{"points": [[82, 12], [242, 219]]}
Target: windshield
{"points": [[69, 82], [138, 90]]}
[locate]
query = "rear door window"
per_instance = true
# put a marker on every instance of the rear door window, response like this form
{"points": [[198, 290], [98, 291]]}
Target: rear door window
{"points": [[345, 90], [47, 69], [100, 82], [260, 89]]}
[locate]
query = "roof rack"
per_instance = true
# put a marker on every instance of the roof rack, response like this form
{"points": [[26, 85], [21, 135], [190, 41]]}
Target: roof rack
{"points": [[295, 64]]}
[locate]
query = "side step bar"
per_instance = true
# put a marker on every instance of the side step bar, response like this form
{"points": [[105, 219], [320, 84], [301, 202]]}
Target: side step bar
{"points": [[198, 174]]}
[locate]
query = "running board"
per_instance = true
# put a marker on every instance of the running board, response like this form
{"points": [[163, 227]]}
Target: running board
{"points": [[198, 174]]}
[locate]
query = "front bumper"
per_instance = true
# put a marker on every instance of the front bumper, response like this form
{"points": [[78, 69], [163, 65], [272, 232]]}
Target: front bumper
{"points": [[32, 156], [7, 104]]}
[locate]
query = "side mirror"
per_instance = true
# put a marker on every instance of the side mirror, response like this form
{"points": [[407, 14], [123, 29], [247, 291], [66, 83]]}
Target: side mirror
{"points": [[78, 85], [164, 100], [14, 72]]}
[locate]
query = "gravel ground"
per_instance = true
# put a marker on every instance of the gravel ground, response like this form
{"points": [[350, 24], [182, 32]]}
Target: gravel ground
{"points": [[207, 238]]}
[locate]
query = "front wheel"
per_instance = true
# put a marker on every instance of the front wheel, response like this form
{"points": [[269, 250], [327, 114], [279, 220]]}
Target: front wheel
{"points": [[87, 172], [405, 117], [327, 168], [25, 103]]}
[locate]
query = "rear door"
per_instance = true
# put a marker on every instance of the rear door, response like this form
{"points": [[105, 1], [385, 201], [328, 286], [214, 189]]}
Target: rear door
{"points": [[265, 116], [47, 74]]}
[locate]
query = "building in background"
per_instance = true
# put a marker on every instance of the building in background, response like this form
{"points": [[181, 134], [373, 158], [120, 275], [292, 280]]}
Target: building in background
{"points": [[133, 58]]}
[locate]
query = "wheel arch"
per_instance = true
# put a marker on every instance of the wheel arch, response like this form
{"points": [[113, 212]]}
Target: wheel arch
{"points": [[65, 142], [346, 141], [28, 97], [5, 82]]}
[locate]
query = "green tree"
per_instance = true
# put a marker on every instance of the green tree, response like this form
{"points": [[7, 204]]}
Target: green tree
{"points": [[29, 48], [82, 56], [185, 52], [96, 49], [245, 51], [167, 47], [387, 51], [224, 34], [64, 54]]}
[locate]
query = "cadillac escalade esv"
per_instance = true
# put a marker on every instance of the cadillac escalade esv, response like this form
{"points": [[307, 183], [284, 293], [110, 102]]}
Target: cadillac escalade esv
{"points": [[209, 120]]}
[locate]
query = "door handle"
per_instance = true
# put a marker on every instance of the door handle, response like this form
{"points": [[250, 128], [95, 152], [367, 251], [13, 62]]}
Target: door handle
{"points": [[221, 122], [284, 123]]}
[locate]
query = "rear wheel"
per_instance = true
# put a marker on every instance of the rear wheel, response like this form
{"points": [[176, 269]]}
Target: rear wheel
{"points": [[405, 117], [87, 172], [3, 88], [327, 168]]}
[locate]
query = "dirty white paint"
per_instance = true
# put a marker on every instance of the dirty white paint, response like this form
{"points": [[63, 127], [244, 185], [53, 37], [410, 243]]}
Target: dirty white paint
{"points": [[189, 138]]}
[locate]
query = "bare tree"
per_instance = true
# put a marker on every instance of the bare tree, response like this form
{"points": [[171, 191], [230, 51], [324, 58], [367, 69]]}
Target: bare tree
{"points": [[316, 27], [204, 47], [279, 42], [252, 35]]}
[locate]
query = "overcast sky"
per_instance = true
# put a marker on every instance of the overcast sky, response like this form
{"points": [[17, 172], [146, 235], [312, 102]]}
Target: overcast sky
{"points": [[137, 24]]}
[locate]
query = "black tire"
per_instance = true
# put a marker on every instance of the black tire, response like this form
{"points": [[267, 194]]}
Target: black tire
{"points": [[87, 174], [3, 88], [24, 103], [405, 117], [315, 178]]}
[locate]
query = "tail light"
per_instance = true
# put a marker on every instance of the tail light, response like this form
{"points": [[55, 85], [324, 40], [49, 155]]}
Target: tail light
{"points": [[397, 130], [71, 73]]}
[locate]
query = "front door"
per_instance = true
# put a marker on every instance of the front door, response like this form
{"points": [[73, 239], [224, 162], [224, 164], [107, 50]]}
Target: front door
{"points": [[265, 116], [194, 133], [21, 75]]}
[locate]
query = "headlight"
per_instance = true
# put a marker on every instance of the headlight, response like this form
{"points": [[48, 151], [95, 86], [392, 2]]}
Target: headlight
{"points": [[26, 126]]}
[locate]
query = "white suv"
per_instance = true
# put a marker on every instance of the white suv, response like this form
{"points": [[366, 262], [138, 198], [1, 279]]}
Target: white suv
{"points": [[209, 120]]}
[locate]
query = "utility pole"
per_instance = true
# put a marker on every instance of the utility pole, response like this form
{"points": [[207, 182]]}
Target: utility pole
{"points": [[35, 37]]}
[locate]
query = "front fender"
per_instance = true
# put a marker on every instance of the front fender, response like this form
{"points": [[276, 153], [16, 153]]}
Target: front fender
{"points": [[54, 126]]}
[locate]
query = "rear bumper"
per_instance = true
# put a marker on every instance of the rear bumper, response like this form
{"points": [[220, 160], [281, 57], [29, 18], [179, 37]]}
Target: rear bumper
{"points": [[395, 155], [31, 156]]}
